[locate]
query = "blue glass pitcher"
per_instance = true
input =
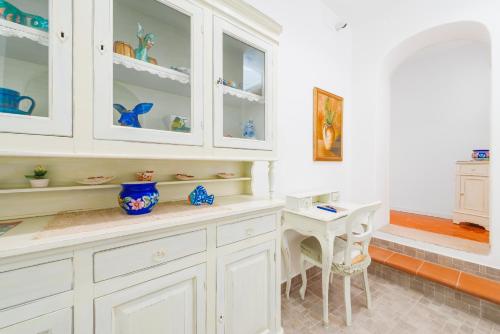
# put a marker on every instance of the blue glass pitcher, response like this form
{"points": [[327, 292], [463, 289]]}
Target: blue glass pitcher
{"points": [[9, 102]]}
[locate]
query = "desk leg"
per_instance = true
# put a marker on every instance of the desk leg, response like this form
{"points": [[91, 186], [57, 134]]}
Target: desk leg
{"points": [[327, 258], [287, 257]]}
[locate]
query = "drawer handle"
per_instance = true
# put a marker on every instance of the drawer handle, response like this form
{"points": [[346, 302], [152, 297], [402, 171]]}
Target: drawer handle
{"points": [[249, 232], [159, 255]]}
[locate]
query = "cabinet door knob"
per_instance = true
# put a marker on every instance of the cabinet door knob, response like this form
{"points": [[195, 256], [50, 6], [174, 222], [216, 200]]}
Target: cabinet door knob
{"points": [[221, 318], [159, 255], [249, 231]]}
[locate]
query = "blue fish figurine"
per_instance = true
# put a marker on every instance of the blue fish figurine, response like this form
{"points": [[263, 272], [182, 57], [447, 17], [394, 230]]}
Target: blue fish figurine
{"points": [[200, 196], [131, 117]]}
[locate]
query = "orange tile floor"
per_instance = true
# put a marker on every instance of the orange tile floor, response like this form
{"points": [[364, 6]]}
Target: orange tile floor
{"points": [[440, 226]]}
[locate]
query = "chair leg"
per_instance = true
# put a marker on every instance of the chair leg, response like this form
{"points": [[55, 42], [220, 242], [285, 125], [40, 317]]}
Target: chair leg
{"points": [[347, 299], [304, 277], [367, 289]]}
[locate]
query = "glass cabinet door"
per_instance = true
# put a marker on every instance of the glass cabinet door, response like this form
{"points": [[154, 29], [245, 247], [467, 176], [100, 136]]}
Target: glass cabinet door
{"points": [[242, 95], [148, 71], [36, 67]]}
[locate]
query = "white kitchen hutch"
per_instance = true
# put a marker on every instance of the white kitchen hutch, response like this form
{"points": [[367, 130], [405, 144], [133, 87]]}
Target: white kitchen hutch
{"points": [[113, 85], [209, 78]]}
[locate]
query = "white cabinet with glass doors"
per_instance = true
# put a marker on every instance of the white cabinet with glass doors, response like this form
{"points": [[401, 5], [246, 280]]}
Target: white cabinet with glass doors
{"points": [[148, 71], [168, 77], [36, 67], [242, 95]]}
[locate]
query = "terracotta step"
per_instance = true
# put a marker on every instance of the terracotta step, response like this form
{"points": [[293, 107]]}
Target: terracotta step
{"points": [[474, 285]]}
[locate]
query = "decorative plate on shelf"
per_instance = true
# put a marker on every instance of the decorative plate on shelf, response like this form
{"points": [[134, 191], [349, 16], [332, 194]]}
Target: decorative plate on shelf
{"points": [[184, 177], [95, 180], [226, 175]]}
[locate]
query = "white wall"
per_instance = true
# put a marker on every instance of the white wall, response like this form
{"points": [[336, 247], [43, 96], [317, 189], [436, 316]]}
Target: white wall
{"points": [[440, 111], [311, 54], [378, 27]]}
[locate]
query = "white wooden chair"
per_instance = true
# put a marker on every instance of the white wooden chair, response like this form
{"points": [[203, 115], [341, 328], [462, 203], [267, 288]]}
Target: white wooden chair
{"points": [[350, 253]]}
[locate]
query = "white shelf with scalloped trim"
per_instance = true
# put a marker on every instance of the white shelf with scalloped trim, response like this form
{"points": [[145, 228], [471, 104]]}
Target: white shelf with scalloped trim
{"points": [[142, 66], [242, 95], [12, 29]]}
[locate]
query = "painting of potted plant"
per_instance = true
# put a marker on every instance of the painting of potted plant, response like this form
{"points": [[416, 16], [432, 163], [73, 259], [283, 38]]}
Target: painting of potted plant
{"points": [[327, 137], [38, 179]]}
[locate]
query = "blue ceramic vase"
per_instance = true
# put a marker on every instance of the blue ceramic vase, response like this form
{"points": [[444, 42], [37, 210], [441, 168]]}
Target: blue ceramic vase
{"points": [[138, 198]]}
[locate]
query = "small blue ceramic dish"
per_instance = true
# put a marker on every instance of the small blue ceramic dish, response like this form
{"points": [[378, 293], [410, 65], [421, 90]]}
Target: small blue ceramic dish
{"points": [[138, 198], [481, 154]]}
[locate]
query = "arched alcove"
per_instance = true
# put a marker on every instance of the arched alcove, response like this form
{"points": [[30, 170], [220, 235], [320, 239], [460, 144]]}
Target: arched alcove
{"points": [[435, 37]]}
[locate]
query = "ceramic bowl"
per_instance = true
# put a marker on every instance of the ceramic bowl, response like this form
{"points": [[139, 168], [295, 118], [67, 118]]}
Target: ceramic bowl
{"points": [[184, 177], [145, 176], [138, 198], [39, 183], [481, 154], [226, 175], [95, 180]]}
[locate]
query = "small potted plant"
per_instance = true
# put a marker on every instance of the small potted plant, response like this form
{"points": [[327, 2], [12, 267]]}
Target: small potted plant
{"points": [[38, 180]]}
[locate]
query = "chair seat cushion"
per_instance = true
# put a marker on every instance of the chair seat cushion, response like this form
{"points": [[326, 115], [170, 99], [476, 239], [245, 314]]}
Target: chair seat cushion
{"points": [[311, 248]]}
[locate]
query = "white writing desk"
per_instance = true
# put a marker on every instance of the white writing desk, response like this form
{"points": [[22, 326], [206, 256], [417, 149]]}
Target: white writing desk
{"points": [[322, 225]]}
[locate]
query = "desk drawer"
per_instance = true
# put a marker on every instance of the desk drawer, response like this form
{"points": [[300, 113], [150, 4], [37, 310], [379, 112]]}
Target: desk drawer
{"points": [[120, 261], [477, 170], [30, 283], [227, 234]]}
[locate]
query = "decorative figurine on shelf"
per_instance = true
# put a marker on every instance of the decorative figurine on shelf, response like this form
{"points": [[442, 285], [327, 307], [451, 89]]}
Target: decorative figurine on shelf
{"points": [[146, 42], [138, 198], [38, 180], [179, 124], [131, 117], [249, 130], [9, 102], [200, 196], [11, 13]]}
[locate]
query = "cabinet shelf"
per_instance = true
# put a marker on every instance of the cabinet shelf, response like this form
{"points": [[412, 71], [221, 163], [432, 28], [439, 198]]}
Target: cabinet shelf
{"points": [[242, 95], [12, 29], [116, 186], [142, 66]]}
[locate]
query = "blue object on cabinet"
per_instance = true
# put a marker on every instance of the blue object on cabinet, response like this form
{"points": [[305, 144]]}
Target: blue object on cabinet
{"points": [[200, 196], [249, 130], [131, 117], [9, 102], [138, 198]]}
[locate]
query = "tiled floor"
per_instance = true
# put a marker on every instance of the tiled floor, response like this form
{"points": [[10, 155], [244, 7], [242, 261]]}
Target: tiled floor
{"points": [[395, 310]]}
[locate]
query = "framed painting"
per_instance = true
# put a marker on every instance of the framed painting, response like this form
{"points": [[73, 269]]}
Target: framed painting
{"points": [[327, 127]]}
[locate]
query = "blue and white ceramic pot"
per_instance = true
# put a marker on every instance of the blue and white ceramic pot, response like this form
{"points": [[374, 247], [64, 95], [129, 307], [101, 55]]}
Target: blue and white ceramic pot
{"points": [[138, 198]]}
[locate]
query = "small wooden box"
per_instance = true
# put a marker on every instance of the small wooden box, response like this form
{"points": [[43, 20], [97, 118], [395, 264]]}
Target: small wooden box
{"points": [[304, 201]]}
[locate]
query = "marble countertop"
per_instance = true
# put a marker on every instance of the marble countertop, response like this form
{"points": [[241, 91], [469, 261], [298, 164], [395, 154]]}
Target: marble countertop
{"points": [[70, 229]]}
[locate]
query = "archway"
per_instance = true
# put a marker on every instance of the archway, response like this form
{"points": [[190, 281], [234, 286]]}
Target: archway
{"points": [[473, 32]]}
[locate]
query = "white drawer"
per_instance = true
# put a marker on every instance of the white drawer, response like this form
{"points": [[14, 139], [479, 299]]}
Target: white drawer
{"points": [[30, 283], [227, 234], [477, 170], [119, 261]]}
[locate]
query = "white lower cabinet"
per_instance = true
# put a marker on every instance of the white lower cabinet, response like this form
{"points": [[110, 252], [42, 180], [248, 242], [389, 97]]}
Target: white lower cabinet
{"points": [[59, 322], [220, 278], [172, 304], [246, 298]]}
